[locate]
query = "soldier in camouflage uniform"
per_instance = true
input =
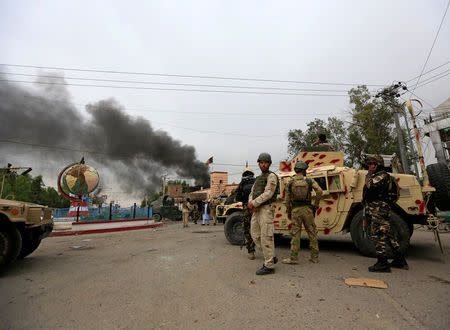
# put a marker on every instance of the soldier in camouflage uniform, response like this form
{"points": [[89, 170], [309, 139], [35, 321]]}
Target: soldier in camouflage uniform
{"points": [[243, 191], [300, 211], [264, 192], [378, 211]]}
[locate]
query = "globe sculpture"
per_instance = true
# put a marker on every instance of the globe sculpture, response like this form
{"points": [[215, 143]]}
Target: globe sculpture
{"points": [[77, 179]]}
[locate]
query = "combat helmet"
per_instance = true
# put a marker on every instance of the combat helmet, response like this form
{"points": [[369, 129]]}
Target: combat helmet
{"points": [[300, 166], [247, 171], [375, 159], [264, 157]]}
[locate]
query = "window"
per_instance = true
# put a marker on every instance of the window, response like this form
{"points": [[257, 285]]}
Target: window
{"points": [[322, 183]]}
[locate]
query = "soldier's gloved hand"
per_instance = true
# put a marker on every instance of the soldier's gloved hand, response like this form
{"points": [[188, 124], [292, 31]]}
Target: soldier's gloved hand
{"points": [[289, 216]]}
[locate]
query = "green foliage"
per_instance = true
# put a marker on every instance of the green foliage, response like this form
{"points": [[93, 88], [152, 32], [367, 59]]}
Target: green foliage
{"points": [[153, 197], [31, 189], [334, 129], [371, 129]]}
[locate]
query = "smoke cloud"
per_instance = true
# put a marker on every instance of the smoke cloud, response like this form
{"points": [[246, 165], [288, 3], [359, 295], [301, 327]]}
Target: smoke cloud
{"points": [[126, 146]]}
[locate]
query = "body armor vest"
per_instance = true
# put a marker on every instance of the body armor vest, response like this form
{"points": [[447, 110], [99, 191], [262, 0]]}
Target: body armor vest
{"points": [[244, 189], [260, 185]]}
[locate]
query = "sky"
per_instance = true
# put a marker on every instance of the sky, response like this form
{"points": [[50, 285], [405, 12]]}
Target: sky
{"points": [[172, 64]]}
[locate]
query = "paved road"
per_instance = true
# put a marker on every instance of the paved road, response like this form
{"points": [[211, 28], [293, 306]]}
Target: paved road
{"points": [[174, 278]]}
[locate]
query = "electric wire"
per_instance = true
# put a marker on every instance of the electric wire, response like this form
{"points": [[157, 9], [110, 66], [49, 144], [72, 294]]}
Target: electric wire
{"points": [[170, 89], [188, 76], [175, 84], [425, 73], [432, 46]]}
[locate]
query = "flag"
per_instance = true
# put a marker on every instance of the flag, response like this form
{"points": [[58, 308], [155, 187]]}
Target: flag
{"points": [[209, 161]]}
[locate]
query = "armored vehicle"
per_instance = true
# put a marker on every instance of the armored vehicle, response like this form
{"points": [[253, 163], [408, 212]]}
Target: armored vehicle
{"points": [[165, 208], [341, 208], [22, 227]]}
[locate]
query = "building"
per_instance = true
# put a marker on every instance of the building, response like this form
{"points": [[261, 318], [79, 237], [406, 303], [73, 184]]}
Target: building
{"points": [[437, 127]]}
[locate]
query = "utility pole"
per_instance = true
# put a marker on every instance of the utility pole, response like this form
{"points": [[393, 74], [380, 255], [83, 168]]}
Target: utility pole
{"points": [[164, 185], [388, 95]]}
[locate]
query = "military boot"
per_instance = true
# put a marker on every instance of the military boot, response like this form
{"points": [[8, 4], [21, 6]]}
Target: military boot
{"points": [[381, 266], [399, 262], [314, 260], [265, 271], [251, 255], [290, 261]]}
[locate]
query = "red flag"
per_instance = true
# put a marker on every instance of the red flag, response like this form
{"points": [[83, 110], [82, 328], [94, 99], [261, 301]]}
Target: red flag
{"points": [[209, 161]]}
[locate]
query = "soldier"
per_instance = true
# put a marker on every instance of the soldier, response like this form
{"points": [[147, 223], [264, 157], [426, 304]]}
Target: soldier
{"points": [[213, 205], [264, 192], [243, 191], [185, 211], [377, 211], [300, 211], [323, 142]]}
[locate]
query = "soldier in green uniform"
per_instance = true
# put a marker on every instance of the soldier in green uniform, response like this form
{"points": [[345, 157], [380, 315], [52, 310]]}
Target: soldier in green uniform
{"points": [[300, 211], [242, 193], [377, 211], [264, 192]]}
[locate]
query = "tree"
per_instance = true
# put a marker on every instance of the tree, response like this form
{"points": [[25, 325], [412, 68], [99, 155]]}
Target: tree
{"points": [[371, 130], [31, 189], [334, 129]]}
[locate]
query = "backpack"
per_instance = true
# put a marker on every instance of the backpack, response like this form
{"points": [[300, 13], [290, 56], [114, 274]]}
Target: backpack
{"points": [[393, 191], [301, 189]]}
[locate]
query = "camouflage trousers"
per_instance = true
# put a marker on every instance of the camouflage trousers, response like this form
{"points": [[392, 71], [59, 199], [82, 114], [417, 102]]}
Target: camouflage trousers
{"points": [[377, 215], [261, 229], [303, 215], [248, 241]]}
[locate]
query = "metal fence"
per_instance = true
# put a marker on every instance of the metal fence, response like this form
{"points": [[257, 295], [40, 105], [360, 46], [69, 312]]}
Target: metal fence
{"points": [[104, 213]]}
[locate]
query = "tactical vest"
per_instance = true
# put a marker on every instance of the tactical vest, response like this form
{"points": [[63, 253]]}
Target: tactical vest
{"points": [[244, 189], [301, 189], [260, 185], [381, 193]]}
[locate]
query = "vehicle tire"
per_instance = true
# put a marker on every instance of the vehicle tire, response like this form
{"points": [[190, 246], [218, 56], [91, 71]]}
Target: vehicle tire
{"points": [[233, 228], [366, 246], [439, 176], [157, 217], [10, 244], [29, 244]]}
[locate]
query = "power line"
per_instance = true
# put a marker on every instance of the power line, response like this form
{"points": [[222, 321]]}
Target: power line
{"points": [[429, 82], [240, 114], [432, 46], [175, 84], [440, 66], [169, 89], [189, 76]]}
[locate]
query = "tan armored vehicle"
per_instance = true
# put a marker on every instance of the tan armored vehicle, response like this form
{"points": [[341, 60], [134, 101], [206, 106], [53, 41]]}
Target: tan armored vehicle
{"points": [[22, 226], [340, 208]]}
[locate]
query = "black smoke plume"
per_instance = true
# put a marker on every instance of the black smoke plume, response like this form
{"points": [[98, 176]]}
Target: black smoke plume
{"points": [[128, 147]]}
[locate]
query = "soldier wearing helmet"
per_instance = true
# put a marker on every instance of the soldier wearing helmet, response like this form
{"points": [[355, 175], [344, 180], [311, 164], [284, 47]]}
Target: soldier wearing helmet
{"points": [[264, 192], [243, 191], [377, 212], [300, 211]]}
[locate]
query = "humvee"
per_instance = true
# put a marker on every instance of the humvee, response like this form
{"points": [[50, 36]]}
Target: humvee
{"points": [[22, 227], [341, 208], [165, 208]]}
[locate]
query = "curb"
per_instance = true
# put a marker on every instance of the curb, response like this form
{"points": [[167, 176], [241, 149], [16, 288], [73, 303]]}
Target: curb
{"points": [[100, 231]]}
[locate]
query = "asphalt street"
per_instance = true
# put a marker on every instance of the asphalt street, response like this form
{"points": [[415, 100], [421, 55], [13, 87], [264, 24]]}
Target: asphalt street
{"points": [[176, 278]]}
